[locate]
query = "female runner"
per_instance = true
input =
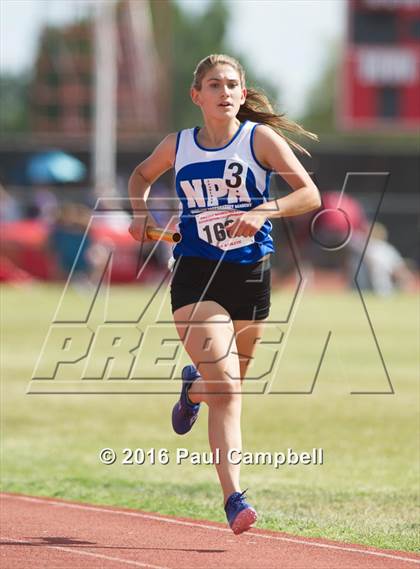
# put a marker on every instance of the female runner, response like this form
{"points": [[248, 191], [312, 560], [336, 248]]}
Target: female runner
{"points": [[220, 290]]}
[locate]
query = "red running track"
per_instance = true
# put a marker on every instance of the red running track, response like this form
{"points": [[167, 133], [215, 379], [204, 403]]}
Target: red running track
{"points": [[39, 533]]}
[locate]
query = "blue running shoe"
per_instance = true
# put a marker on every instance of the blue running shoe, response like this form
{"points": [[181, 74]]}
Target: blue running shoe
{"points": [[185, 413], [240, 515]]}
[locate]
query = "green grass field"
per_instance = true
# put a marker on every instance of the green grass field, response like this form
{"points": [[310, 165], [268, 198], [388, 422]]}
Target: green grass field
{"points": [[365, 492]]}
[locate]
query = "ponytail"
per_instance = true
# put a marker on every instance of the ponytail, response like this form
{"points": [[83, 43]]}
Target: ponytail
{"points": [[257, 107]]}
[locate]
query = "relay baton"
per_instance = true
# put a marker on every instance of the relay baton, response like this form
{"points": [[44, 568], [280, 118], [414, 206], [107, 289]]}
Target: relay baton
{"points": [[157, 234]]}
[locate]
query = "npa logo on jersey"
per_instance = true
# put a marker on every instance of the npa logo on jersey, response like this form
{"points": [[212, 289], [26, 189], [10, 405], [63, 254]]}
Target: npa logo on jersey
{"points": [[223, 182]]}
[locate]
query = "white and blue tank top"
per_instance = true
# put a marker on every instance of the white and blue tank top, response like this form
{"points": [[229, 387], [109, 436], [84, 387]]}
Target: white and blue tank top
{"points": [[214, 185]]}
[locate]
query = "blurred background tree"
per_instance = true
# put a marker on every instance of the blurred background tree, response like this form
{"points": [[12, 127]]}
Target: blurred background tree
{"points": [[14, 102], [319, 116], [193, 36]]}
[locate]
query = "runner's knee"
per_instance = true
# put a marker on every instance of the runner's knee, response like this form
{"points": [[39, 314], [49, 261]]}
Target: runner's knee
{"points": [[220, 388]]}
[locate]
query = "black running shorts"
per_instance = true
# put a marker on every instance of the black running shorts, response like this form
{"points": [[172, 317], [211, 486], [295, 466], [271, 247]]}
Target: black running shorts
{"points": [[242, 289]]}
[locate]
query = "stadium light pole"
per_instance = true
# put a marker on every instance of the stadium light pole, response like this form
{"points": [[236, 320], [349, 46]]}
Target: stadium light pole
{"points": [[105, 99]]}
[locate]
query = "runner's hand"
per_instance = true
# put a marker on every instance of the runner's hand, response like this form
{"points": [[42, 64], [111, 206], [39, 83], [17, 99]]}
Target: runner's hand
{"points": [[247, 224], [137, 227]]}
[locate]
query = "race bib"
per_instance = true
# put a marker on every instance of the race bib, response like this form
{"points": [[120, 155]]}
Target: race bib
{"points": [[211, 227]]}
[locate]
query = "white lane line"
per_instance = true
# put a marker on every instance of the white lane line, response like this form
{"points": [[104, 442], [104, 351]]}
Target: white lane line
{"points": [[215, 528], [99, 555]]}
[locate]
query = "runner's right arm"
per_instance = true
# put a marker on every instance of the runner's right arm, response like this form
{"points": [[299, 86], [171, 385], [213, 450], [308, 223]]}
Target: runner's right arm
{"points": [[160, 161]]}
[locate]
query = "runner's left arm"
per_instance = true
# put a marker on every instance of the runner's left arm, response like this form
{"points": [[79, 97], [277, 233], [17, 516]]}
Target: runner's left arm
{"points": [[275, 154]]}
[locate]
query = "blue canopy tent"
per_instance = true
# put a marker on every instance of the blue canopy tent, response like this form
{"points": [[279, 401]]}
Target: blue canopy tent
{"points": [[54, 167]]}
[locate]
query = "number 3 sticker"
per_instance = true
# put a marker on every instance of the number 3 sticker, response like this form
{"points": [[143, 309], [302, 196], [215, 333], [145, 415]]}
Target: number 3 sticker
{"points": [[211, 226]]}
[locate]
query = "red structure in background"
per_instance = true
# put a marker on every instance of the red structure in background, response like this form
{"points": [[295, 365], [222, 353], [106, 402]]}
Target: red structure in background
{"points": [[380, 76]]}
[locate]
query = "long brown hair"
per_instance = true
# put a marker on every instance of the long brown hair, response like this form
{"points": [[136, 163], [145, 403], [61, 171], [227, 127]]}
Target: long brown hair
{"points": [[257, 107]]}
